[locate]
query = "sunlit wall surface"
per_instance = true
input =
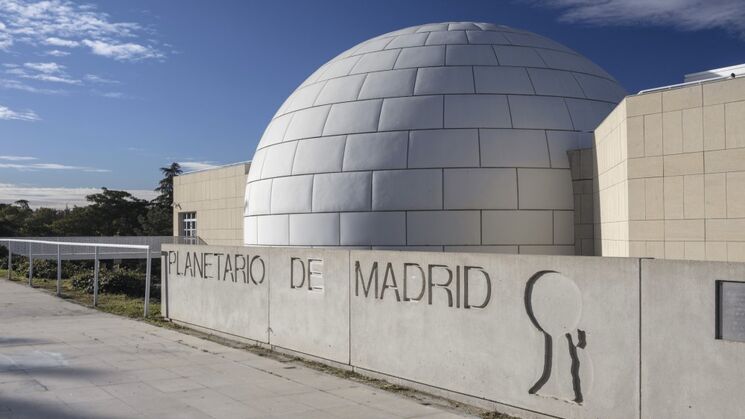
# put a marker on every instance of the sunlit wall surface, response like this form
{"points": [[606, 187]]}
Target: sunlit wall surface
{"points": [[448, 136]]}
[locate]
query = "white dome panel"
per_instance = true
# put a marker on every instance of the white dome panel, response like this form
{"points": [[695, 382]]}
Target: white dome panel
{"points": [[384, 84], [446, 136], [376, 151], [445, 37]]}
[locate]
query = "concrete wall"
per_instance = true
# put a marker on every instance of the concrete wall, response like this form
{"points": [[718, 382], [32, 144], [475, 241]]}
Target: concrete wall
{"points": [[498, 352], [221, 288], [560, 336], [686, 372], [671, 168], [315, 284], [217, 196]]}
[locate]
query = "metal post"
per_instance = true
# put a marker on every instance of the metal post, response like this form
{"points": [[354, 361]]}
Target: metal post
{"points": [[10, 262], [147, 282], [164, 283], [95, 278], [30, 266], [59, 272]]}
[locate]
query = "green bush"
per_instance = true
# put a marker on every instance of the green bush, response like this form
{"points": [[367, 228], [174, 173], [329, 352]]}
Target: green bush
{"points": [[117, 280], [84, 280], [44, 268]]}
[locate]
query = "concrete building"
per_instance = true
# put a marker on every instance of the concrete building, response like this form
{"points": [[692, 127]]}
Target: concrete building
{"points": [[470, 138], [448, 136], [671, 173], [483, 138], [208, 204]]}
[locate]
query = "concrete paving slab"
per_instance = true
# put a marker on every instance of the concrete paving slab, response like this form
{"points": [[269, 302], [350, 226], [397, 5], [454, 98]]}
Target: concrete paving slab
{"points": [[58, 359]]}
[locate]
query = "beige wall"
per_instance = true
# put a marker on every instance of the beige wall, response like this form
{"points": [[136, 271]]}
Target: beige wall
{"points": [[671, 174], [582, 163], [611, 185], [217, 196]]}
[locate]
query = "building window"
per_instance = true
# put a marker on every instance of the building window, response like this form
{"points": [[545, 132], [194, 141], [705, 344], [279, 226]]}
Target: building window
{"points": [[189, 224]]}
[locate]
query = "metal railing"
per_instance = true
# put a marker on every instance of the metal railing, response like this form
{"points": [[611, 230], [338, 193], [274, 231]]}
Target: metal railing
{"points": [[69, 250], [86, 249]]}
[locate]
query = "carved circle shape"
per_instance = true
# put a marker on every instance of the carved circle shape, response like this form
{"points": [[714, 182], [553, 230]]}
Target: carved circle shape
{"points": [[555, 303]]}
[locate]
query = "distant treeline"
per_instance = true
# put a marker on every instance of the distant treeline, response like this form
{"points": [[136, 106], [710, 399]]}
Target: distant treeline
{"points": [[110, 213]]}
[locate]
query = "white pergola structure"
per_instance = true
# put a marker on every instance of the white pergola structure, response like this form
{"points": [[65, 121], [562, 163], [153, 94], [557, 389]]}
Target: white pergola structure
{"points": [[84, 248]]}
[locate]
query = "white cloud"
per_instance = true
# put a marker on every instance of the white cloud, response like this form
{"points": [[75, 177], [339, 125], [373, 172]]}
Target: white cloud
{"points": [[66, 24], [122, 52], [47, 72], [191, 166], [6, 41], [9, 114], [113, 95], [46, 68], [689, 15], [32, 167], [16, 71], [53, 79], [59, 28], [58, 42], [98, 79], [57, 53], [17, 158], [61, 19], [56, 166], [57, 197], [17, 85]]}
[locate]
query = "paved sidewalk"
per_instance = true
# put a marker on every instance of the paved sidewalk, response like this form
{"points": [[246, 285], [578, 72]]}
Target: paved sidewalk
{"points": [[61, 360]]}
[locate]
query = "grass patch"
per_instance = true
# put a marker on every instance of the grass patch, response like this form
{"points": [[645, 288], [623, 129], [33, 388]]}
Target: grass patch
{"points": [[118, 304]]}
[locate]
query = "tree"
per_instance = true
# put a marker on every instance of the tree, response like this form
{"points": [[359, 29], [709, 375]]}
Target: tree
{"points": [[159, 218], [76, 222], [165, 187], [109, 213], [158, 221], [23, 203], [116, 213], [13, 217], [41, 222]]}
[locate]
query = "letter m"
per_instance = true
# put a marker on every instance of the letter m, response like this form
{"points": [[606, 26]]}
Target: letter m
{"points": [[360, 279]]}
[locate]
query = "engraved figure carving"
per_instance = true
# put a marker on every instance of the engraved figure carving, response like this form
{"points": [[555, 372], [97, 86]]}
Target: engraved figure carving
{"points": [[554, 305]]}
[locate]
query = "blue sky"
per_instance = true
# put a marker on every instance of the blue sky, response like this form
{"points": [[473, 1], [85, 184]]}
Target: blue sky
{"points": [[102, 93]]}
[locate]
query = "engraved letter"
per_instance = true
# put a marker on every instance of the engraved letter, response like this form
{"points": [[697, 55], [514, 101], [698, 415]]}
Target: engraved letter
{"points": [[253, 274], [293, 260], [171, 261], [359, 278], [187, 264], [315, 275], [389, 274], [487, 280], [227, 269], [240, 268], [431, 284], [206, 264], [197, 265], [406, 280]]}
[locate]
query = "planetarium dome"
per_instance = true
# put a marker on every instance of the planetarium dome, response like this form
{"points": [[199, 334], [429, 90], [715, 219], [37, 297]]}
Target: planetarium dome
{"points": [[447, 136]]}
